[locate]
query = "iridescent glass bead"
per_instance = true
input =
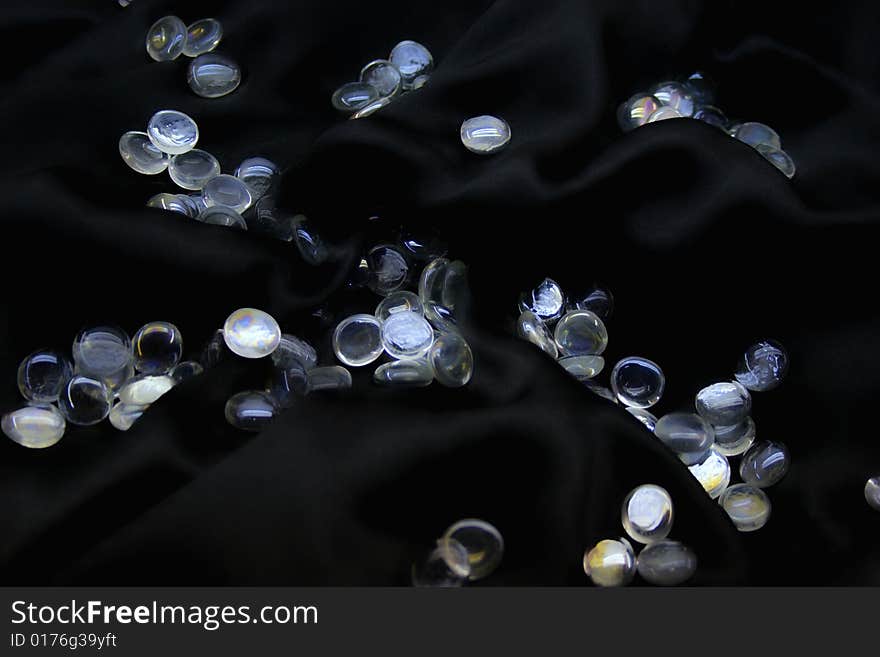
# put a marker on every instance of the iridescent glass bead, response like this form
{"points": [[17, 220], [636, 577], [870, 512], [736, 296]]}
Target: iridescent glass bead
{"points": [[332, 377], [735, 439], [664, 114], [103, 352], [872, 492], [580, 333], [485, 134], [725, 403], [483, 543], [185, 371], [388, 269], [667, 563], [357, 340], [213, 75], [228, 191], [251, 410], [530, 327], [676, 96], [763, 366], [123, 416], [400, 301], [747, 506], [292, 350], [165, 39], [711, 115], [141, 154], [251, 333], [413, 60], [645, 417], [193, 169], [383, 76], [220, 215], [353, 96], [432, 279], [202, 36], [753, 134], [765, 464], [258, 174], [713, 473], [172, 132], [647, 513], [445, 566], [145, 389], [157, 347], [172, 203], [686, 434], [582, 367], [597, 300], [452, 360], [409, 372], [407, 335], [36, 426], [84, 400], [778, 158], [635, 111], [610, 563], [41, 375], [638, 382], [547, 301], [309, 244], [371, 108]]}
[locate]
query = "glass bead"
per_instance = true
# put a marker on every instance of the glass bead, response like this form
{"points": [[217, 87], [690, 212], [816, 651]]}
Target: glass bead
{"points": [[250, 410], [407, 335], [446, 566], [598, 300], [872, 492], [309, 244], [85, 400], [676, 96], [452, 360], [172, 203], [432, 279], [353, 96], [292, 350], [419, 82], [172, 132], [645, 417], [400, 301], [753, 133], [701, 87], [41, 375], [686, 434], [409, 372], [422, 245], [763, 366], [215, 350], [485, 134], [332, 377], [735, 439], [185, 371], [213, 75], [483, 543], [286, 384], [713, 473], [228, 191], [103, 352], [165, 39], [123, 416], [599, 390], [530, 327], [145, 389], [711, 115], [638, 382], [202, 36], [635, 111], [371, 108], [158, 346], [765, 464], [34, 426], [747, 506], [194, 204], [139, 153], [357, 340], [220, 215], [267, 219], [610, 563], [413, 60], [666, 563], [251, 333], [388, 269], [647, 513], [258, 174], [454, 291], [664, 114], [580, 333], [383, 76], [440, 318], [547, 301], [193, 169], [778, 158], [725, 403], [582, 367]]}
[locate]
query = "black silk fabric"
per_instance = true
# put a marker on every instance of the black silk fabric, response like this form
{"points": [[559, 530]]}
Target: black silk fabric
{"points": [[705, 246]]}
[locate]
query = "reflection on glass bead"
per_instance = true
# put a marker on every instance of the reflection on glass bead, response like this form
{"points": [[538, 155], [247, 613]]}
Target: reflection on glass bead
{"points": [[202, 36], [228, 191], [667, 563], [220, 215], [258, 174], [191, 170], [422, 245], [84, 400], [158, 346], [309, 244], [172, 132], [547, 301], [173, 203], [580, 333], [409, 372], [165, 39], [407, 335], [664, 114], [638, 382], [765, 464], [123, 416], [747, 506], [440, 318], [778, 158], [251, 333], [383, 76], [413, 60], [333, 377], [735, 439], [145, 389], [753, 133], [610, 563], [872, 492], [41, 375], [645, 417], [686, 434], [141, 154], [102, 352], [353, 96], [647, 513], [452, 360], [446, 566], [185, 370], [713, 473], [251, 410], [763, 366], [530, 327], [371, 108], [292, 350], [635, 112], [288, 383], [724, 403], [357, 340], [597, 300], [712, 116], [432, 279], [213, 75], [483, 543], [387, 269], [485, 134], [582, 367], [34, 426], [676, 96], [400, 301]]}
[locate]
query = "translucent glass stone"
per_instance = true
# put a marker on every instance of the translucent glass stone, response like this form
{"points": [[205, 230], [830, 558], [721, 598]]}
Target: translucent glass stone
{"points": [[220, 215], [194, 203], [712, 116], [371, 108], [173, 203], [713, 473], [419, 82], [409, 372], [778, 158], [407, 335], [172, 132], [483, 543], [440, 318], [41, 375], [753, 134], [145, 389], [686, 434], [638, 382], [34, 426], [432, 279], [701, 87], [667, 563], [599, 390], [664, 114], [123, 416], [141, 154], [309, 244], [485, 134], [268, 219], [103, 352], [193, 169], [357, 340], [452, 360], [530, 327], [185, 371], [423, 245], [445, 566], [213, 75], [735, 439], [258, 174], [250, 410], [635, 111], [413, 60], [388, 269], [84, 400], [165, 39], [765, 464], [215, 351], [597, 300], [398, 302], [872, 492], [747, 506], [580, 333], [251, 333], [645, 417], [647, 513], [333, 377], [454, 291], [547, 301], [383, 76], [610, 563], [676, 96], [286, 384], [763, 366], [582, 367], [202, 36], [292, 350], [725, 403], [157, 347], [228, 191], [353, 96]]}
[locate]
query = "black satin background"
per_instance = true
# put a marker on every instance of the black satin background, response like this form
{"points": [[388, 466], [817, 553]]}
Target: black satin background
{"points": [[705, 246]]}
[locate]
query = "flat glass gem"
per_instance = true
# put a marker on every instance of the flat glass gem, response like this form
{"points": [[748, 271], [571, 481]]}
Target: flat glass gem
{"points": [[483, 543], [191, 170], [753, 133], [686, 434], [172, 203], [778, 158], [409, 372], [547, 301], [193, 203], [765, 464], [747, 506], [580, 333], [400, 301], [292, 350], [228, 191], [452, 360], [220, 215], [251, 333], [215, 350], [371, 108], [213, 75], [84, 400], [41, 375], [257, 173], [445, 566], [185, 371], [647, 514], [725, 403], [250, 410], [407, 335], [145, 389], [645, 417], [353, 96], [635, 111], [141, 154], [357, 340], [383, 76], [638, 382], [582, 367], [610, 563], [172, 132], [676, 96], [735, 439], [485, 134], [202, 36], [701, 87], [713, 473], [309, 244], [165, 39], [34, 426], [599, 390], [872, 492], [667, 563], [440, 318], [454, 291], [597, 300], [157, 347], [102, 351], [412, 59], [287, 384], [712, 116], [123, 416], [763, 366], [664, 114], [332, 377], [387, 269], [268, 219], [432, 279], [530, 327]]}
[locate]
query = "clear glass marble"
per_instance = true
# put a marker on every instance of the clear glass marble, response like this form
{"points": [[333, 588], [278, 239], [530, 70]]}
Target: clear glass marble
{"points": [[371, 108], [645, 417], [228, 191], [251, 410], [483, 543], [763, 366], [582, 367], [725, 403], [676, 96], [580, 333], [610, 563], [139, 153], [530, 327], [713, 473], [413, 60], [647, 513], [872, 492], [638, 382], [173, 203], [220, 215], [778, 158], [635, 111], [445, 566], [735, 439], [353, 96], [41, 375], [686, 434], [123, 416], [711, 115], [388, 269], [407, 335], [357, 340], [193, 169], [202, 36], [85, 400], [452, 360], [145, 389], [664, 114], [397, 302], [667, 563], [165, 39], [765, 464], [753, 134], [157, 347], [598, 300], [383, 76], [292, 350], [485, 134], [251, 333], [432, 279], [213, 75], [287, 384], [186, 370], [172, 132], [103, 352], [747, 506], [332, 377], [258, 174], [409, 372], [36, 426]]}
